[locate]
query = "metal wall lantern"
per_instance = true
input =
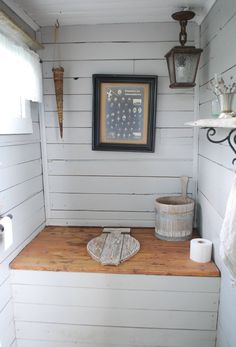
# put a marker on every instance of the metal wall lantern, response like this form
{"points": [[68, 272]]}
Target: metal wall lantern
{"points": [[183, 60]]}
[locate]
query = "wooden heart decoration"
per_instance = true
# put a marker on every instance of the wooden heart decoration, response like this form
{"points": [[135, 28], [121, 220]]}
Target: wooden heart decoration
{"points": [[113, 246]]}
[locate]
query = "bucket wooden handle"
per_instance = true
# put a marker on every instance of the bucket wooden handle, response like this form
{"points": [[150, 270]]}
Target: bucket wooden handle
{"points": [[184, 185]]}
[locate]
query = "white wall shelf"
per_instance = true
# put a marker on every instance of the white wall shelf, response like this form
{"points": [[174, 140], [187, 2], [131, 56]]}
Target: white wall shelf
{"points": [[229, 123], [212, 124]]}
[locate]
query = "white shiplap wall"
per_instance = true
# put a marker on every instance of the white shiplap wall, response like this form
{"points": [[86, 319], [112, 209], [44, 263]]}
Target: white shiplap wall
{"points": [[216, 171], [21, 194], [112, 188]]}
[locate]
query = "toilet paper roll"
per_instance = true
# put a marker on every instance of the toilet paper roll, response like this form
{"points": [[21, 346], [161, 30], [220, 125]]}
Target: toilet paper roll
{"points": [[7, 232], [200, 250]]}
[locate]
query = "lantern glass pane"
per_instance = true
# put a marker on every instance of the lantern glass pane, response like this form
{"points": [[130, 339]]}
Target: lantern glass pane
{"points": [[185, 67], [171, 68]]}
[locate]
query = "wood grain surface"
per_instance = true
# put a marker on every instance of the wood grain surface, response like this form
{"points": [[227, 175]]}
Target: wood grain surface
{"points": [[64, 249], [113, 247]]}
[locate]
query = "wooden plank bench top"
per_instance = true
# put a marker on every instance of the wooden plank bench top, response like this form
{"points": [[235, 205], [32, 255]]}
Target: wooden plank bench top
{"points": [[64, 249]]}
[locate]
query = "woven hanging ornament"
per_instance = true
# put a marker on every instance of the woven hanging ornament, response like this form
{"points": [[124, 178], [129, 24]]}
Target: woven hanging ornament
{"points": [[58, 73]]}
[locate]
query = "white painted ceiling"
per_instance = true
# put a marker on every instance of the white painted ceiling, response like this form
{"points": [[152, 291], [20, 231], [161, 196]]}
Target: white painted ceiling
{"points": [[71, 12]]}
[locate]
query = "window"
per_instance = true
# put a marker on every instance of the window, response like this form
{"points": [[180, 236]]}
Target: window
{"points": [[20, 83]]}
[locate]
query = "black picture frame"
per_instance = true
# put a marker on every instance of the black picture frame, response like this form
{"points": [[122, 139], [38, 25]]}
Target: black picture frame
{"points": [[124, 112]]}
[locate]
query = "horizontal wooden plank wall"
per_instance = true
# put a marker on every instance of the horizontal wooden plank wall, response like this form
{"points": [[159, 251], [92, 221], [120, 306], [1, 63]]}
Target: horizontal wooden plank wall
{"points": [[21, 194], [216, 171], [112, 188], [88, 309]]}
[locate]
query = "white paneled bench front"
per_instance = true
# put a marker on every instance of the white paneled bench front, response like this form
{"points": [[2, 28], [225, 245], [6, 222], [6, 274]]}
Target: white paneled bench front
{"points": [[63, 298]]}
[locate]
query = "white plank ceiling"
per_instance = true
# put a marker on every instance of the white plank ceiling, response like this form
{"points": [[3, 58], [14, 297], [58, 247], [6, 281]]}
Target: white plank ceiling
{"points": [[72, 12]]}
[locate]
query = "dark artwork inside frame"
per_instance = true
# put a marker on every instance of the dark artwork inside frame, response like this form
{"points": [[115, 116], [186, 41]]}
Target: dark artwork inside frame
{"points": [[124, 113]]}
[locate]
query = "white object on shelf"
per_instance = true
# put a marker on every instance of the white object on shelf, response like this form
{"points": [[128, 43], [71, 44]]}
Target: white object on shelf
{"points": [[200, 250], [214, 123], [215, 108]]}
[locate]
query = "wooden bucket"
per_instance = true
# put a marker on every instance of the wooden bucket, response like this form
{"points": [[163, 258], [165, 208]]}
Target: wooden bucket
{"points": [[174, 217]]}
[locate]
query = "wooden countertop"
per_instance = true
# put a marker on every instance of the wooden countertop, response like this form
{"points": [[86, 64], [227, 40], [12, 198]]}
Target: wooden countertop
{"points": [[64, 249]]}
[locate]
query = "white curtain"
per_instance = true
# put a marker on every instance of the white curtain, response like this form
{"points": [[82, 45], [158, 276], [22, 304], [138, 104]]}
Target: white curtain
{"points": [[20, 77]]}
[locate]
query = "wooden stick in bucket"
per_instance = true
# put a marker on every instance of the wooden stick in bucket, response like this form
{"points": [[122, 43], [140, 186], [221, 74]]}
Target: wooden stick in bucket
{"points": [[184, 185]]}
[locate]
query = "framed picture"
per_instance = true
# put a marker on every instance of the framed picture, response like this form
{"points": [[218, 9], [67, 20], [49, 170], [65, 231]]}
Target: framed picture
{"points": [[124, 112]]}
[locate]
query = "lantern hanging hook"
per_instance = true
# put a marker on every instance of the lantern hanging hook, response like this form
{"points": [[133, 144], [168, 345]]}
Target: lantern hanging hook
{"points": [[183, 17]]}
